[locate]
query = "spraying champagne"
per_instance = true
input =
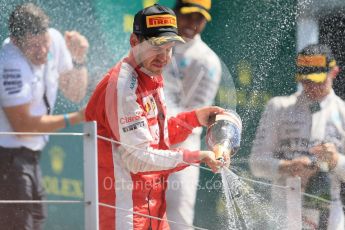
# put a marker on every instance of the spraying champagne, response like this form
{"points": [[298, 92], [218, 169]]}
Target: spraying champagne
{"points": [[223, 135]]}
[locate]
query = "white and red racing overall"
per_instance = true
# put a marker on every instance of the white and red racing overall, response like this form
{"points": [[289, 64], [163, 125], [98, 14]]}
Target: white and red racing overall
{"points": [[129, 107]]}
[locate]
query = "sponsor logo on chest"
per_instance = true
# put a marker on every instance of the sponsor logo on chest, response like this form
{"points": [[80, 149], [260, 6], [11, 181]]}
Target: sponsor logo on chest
{"points": [[150, 106], [133, 126], [129, 119], [132, 82]]}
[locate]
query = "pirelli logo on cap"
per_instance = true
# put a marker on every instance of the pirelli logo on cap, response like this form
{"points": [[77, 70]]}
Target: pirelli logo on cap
{"points": [[161, 20]]}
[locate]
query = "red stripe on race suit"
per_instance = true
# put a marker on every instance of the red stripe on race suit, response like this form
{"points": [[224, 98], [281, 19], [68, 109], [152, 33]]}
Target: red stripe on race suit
{"points": [[103, 107], [106, 179]]}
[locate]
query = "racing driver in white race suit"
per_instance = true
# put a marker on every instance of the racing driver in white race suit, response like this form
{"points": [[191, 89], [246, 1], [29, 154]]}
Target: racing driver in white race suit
{"points": [[191, 81], [301, 127]]}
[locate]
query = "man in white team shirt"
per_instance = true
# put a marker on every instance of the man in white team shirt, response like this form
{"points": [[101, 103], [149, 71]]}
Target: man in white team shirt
{"points": [[302, 135], [35, 62], [191, 81]]}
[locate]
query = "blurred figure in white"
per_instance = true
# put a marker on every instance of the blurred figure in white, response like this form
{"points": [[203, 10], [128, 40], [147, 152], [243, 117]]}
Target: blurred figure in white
{"points": [[191, 81], [35, 61], [303, 135]]}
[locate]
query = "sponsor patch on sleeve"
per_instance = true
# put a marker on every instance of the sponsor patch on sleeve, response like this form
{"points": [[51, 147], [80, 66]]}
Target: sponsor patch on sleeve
{"points": [[12, 81]]}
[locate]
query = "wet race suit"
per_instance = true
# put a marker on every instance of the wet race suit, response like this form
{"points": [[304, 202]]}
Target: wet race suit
{"points": [[129, 107], [288, 128], [191, 81]]}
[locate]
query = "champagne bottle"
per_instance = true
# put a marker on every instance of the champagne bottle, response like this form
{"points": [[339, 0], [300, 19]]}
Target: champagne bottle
{"points": [[224, 133]]}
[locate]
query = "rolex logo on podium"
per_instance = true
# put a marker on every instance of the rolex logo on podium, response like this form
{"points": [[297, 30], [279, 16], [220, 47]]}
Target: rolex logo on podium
{"points": [[224, 133]]}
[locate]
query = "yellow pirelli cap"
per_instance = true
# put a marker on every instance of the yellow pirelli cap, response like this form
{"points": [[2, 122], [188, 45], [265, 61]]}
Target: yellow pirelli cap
{"points": [[195, 6], [314, 77], [314, 62]]}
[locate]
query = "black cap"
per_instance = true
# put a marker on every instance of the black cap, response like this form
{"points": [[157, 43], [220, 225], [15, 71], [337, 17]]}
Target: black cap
{"points": [[157, 24], [314, 62], [194, 6]]}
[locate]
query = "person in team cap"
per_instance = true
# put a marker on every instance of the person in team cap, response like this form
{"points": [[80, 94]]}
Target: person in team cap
{"points": [[303, 135], [129, 107], [191, 81]]}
